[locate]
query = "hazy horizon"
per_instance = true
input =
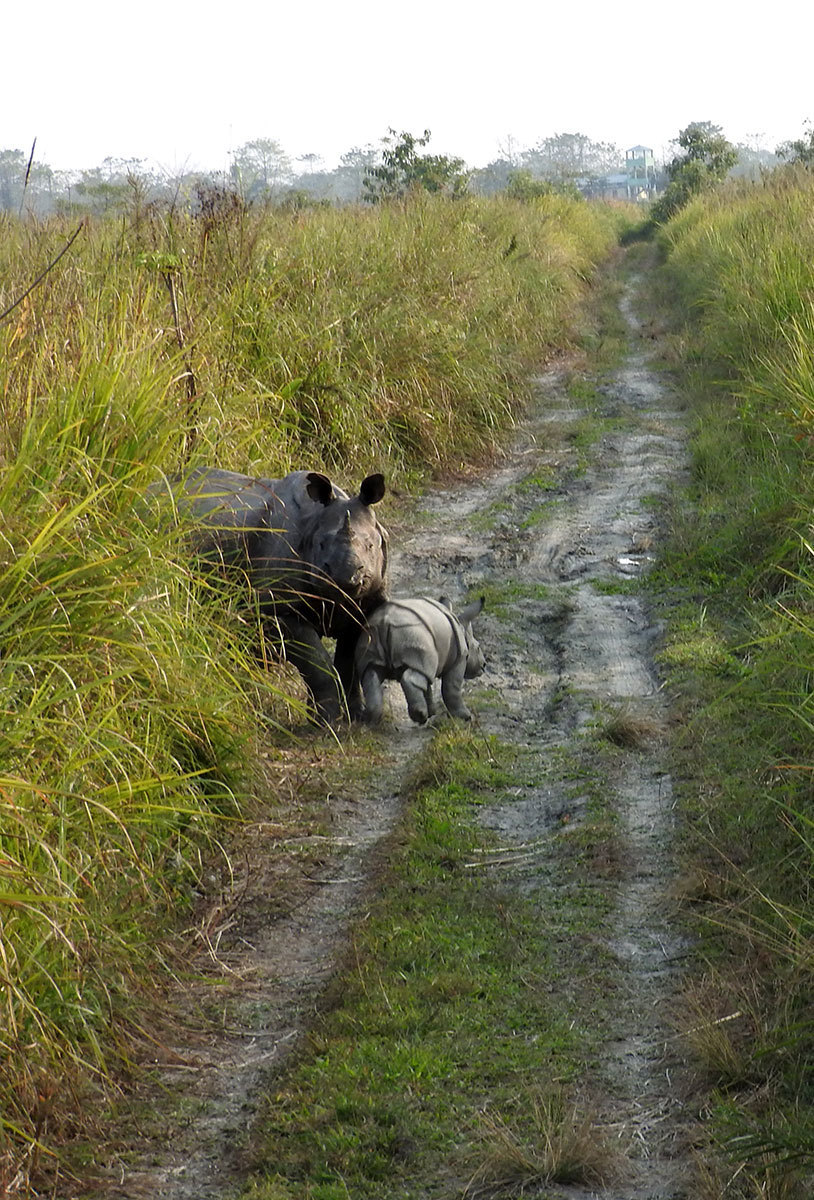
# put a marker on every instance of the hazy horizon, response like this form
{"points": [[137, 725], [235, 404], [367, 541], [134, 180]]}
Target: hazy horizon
{"points": [[181, 91]]}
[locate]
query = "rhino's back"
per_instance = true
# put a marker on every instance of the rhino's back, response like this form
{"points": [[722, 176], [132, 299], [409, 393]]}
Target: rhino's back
{"points": [[419, 635], [237, 516]]}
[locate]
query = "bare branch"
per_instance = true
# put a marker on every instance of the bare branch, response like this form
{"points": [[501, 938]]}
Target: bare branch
{"points": [[42, 275]]}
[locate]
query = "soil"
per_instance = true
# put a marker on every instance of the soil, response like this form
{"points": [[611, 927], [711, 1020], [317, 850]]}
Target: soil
{"points": [[582, 642]]}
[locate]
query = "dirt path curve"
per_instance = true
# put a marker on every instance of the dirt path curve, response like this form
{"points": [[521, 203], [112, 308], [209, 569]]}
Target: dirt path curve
{"points": [[579, 644]]}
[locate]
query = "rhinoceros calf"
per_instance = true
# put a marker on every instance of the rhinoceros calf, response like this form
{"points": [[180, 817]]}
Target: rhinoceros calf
{"points": [[416, 641], [315, 558]]}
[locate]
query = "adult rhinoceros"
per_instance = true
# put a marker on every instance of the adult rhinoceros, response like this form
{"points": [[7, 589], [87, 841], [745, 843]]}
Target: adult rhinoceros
{"points": [[315, 558]]}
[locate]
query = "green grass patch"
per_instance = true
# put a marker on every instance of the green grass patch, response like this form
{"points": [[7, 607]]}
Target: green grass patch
{"points": [[456, 993], [502, 598], [618, 587], [582, 389]]}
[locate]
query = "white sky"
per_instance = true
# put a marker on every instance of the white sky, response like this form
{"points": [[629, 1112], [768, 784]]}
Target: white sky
{"points": [[180, 84]]}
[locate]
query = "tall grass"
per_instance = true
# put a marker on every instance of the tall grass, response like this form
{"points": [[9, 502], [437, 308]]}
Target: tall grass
{"points": [[130, 703], [741, 264]]}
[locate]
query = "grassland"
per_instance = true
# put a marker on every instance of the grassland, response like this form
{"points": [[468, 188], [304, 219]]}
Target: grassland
{"points": [[132, 713], [736, 585]]}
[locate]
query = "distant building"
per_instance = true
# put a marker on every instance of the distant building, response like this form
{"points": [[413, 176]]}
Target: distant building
{"points": [[638, 182], [640, 170]]}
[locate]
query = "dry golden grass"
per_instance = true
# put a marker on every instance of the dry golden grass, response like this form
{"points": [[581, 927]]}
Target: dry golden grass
{"points": [[555, 1141], [631, 730]]}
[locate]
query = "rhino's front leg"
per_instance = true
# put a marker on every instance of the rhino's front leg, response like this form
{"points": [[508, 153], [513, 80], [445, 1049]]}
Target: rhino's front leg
{"points": [[451, 685], [345, 663], [303, 647]]}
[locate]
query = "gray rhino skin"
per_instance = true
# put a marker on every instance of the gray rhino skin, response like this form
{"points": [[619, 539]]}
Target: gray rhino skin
{"points": [[416, 641], [315, 558]]}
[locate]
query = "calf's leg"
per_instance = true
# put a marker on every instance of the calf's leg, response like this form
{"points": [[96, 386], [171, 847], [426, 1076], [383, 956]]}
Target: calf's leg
{"points": [[374, 698], [415, 686], [451, 685]]}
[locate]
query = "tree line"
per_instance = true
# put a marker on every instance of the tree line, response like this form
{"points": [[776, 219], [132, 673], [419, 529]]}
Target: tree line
{"points": [[261, 171]]}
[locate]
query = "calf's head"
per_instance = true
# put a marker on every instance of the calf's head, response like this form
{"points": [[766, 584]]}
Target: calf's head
{"points": [[475, 661]]}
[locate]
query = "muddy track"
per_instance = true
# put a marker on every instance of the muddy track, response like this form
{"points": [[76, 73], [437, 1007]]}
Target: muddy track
{"points": [[577, 646]]}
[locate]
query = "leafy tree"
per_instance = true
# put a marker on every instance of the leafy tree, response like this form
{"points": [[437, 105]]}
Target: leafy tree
{"points": [[706, 159], [703, 142], [260, 168], [402, 169], [801, 150]]}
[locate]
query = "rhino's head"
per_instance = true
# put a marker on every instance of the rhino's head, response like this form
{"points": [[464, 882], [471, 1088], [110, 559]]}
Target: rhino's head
{"points": [[343, 540], [475, 661]]}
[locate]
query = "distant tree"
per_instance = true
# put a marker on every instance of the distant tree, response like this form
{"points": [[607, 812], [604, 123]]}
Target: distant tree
{"points": [[12, 173], [801, 150], [493, 178], [316, 185], [402, 169], [509, 150], [344, 184], [19, 186], [752, 161], [571, 156], [349, 176], [119, 183], [704, 143], [706, 159], [260, 168], [311, 161]]}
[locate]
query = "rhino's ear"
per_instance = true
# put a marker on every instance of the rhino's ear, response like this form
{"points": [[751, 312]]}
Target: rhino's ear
{"points": [[445, 600], [471, 611], [372, 489], [319, 487]]}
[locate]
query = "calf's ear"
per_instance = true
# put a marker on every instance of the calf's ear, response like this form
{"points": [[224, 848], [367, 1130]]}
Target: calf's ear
{"points": [[471, 611], [319, 487], [372, 489]]}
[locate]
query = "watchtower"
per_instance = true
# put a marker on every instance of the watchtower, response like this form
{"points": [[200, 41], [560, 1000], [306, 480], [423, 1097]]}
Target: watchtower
{"points": [[640, 167]]}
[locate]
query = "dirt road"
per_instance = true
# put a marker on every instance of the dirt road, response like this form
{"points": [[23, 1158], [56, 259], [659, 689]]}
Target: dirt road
{"points": [[560, 541]]}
